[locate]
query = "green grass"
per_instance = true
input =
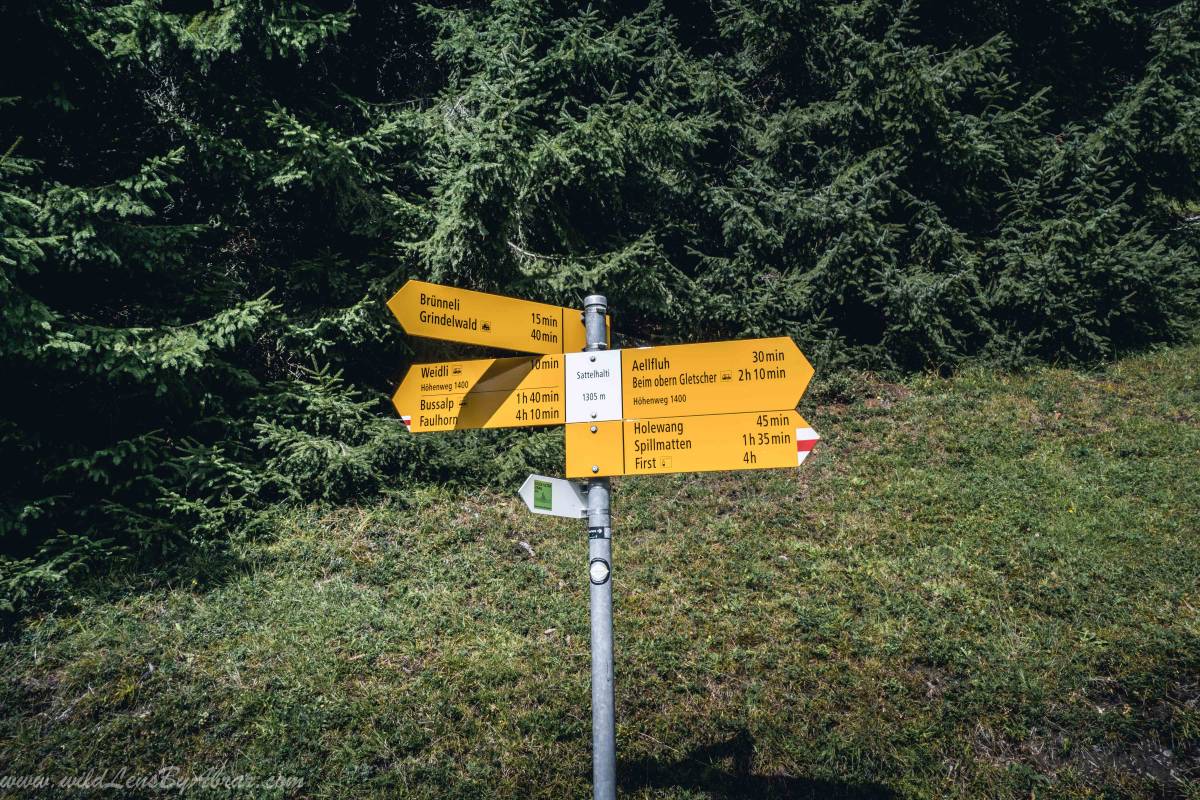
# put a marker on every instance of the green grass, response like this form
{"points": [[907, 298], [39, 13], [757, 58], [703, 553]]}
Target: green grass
{"points": [[984, 586]]}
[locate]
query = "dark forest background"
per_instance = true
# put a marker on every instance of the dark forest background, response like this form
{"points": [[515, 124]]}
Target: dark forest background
{"points": [[204, 206]]}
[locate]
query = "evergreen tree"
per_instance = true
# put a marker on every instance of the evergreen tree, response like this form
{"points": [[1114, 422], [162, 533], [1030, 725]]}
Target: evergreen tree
{"points": [[205, 203]]}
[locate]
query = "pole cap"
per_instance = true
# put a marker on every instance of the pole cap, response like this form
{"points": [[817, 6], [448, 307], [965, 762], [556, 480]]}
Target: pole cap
{"points": [[593, 300]]}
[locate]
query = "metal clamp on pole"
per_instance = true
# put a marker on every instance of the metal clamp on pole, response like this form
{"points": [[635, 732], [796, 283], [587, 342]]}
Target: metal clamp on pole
{"points": [[604, 737]]}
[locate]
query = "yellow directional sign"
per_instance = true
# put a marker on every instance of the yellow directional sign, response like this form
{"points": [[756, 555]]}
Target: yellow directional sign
{"points": [[713, 378], [754, 440], [461, 315], [482, 393]]}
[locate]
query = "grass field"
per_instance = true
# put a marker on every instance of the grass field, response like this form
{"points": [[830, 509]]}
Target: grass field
{"points": [[983, 586]]}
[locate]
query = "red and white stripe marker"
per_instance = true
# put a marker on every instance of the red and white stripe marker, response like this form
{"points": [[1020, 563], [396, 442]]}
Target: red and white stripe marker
{"points": [[407, 422], [805, 439]]}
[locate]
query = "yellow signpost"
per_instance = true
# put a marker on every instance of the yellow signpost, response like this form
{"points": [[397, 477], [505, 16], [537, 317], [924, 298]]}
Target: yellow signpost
{"points": [[483, 393], [713, 378], [703, 443], [461, 315], [679, 408]]}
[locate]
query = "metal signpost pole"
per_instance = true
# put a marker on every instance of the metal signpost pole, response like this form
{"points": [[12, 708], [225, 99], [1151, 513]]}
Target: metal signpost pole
{"points": [[604, 738]]}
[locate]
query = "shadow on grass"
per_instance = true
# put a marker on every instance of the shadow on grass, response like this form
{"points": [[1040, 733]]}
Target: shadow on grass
{"points": [[203, 570], [705, 769]]}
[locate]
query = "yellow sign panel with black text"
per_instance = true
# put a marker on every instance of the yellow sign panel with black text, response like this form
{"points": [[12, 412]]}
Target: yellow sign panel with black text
{"points": [[462, 315], [704, 443], [482, 393], [713, 378]]}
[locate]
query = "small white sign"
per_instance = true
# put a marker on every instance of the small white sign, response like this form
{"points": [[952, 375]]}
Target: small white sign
{"points": [[554, 496], [593, 386]]}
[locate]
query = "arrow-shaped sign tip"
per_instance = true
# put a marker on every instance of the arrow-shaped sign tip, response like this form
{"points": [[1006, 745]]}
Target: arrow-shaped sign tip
{"points": [[805, 439]]}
